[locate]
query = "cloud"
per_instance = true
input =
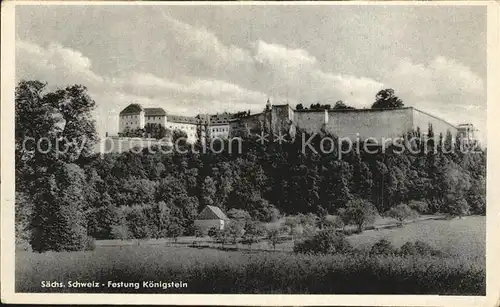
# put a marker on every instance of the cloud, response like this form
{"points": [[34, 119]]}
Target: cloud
{"points": [[54, 64], [278, 56], [274, 69], [203, 45], [61, 66], [298, 74], [229, 77], [149, 84], [443, 87], [442, 79]]}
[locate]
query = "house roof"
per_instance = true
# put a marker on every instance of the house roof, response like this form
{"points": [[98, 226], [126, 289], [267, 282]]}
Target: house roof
{"points": [[154, 112], [181, 119], [133, 108], [222, 118], [212, 212]]}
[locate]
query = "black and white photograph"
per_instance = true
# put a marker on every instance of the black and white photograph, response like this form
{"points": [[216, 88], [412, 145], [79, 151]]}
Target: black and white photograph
{"points": [[249, 149]]}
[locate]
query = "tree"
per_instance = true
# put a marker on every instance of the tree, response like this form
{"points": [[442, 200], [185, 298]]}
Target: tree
{"points": [[459, 208], [79, 135], [299, 107], [451, 187], [253, 230], [361, 177], [319, 106], [239, 215], [174, 230], [322, 213], [358, 212], [161, 215], [476, 196], [33, 119], [332, 221], [136, 191], [119, 232], [23, 208], [308, 230], [209, 191], [63, 118], [235, 230], [340, 105], [101, 219], [58, 222], [291, 223], [386, 99], [137, 223], [273, 236], [401, 213]]}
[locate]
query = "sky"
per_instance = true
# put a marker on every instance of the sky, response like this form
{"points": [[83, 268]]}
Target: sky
{"points": [[213, 58]]}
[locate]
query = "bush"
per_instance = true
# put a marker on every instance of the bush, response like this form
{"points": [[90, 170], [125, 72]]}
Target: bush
{"points": [[326, 241], [332, 221], [234, 230], [401, 213], [198, 231], [119, 232], [458, 207], [137, 223], [424, 248], [239, 215], [267, 213], [174, 231], [273, 236], [383, 247], [213, 232], [408, 249], [419, 248], [419, 206], [307, 219], [358, 212], [89, 243], [307, 231], [252, 233]]}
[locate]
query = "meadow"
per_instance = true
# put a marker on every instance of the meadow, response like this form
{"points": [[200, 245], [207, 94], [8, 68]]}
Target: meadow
{"points": [[461, 272]]}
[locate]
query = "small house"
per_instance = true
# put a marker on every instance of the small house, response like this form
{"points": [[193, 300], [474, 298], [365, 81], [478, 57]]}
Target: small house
{"points": [[211, 216]]}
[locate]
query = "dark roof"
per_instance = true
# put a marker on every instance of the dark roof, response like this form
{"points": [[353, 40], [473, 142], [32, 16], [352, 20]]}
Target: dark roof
{"points": [[222, 118], [212, 212], [282, 105], [133, 108], [181, 119], [154, 112]]}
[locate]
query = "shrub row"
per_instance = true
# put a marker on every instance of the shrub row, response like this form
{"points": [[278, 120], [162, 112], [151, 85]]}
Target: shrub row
{"points": [[231, 272], [384, 247], [329, 241]]}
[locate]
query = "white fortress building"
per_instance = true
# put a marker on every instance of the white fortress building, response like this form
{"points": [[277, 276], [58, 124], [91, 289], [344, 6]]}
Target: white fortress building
{"points": [[351, 123], [134, 116]]}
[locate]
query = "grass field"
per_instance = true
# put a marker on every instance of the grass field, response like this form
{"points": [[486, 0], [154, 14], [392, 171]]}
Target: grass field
{"points": [[458, 237], [215, 271]]}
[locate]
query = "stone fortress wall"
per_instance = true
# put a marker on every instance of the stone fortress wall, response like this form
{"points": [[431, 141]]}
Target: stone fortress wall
{"points": [[369, 123], [351, 123], [348, 123]]}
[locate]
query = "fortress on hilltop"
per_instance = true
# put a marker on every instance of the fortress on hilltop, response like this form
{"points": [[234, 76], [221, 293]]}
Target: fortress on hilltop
{"points": [[350, 123]]}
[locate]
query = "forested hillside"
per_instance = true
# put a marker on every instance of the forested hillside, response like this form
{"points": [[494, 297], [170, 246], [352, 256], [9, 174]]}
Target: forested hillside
{"points": [[67, 197]]}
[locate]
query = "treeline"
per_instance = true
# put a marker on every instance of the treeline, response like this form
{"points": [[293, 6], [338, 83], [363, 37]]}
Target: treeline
{"points": [[69, 198]]}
